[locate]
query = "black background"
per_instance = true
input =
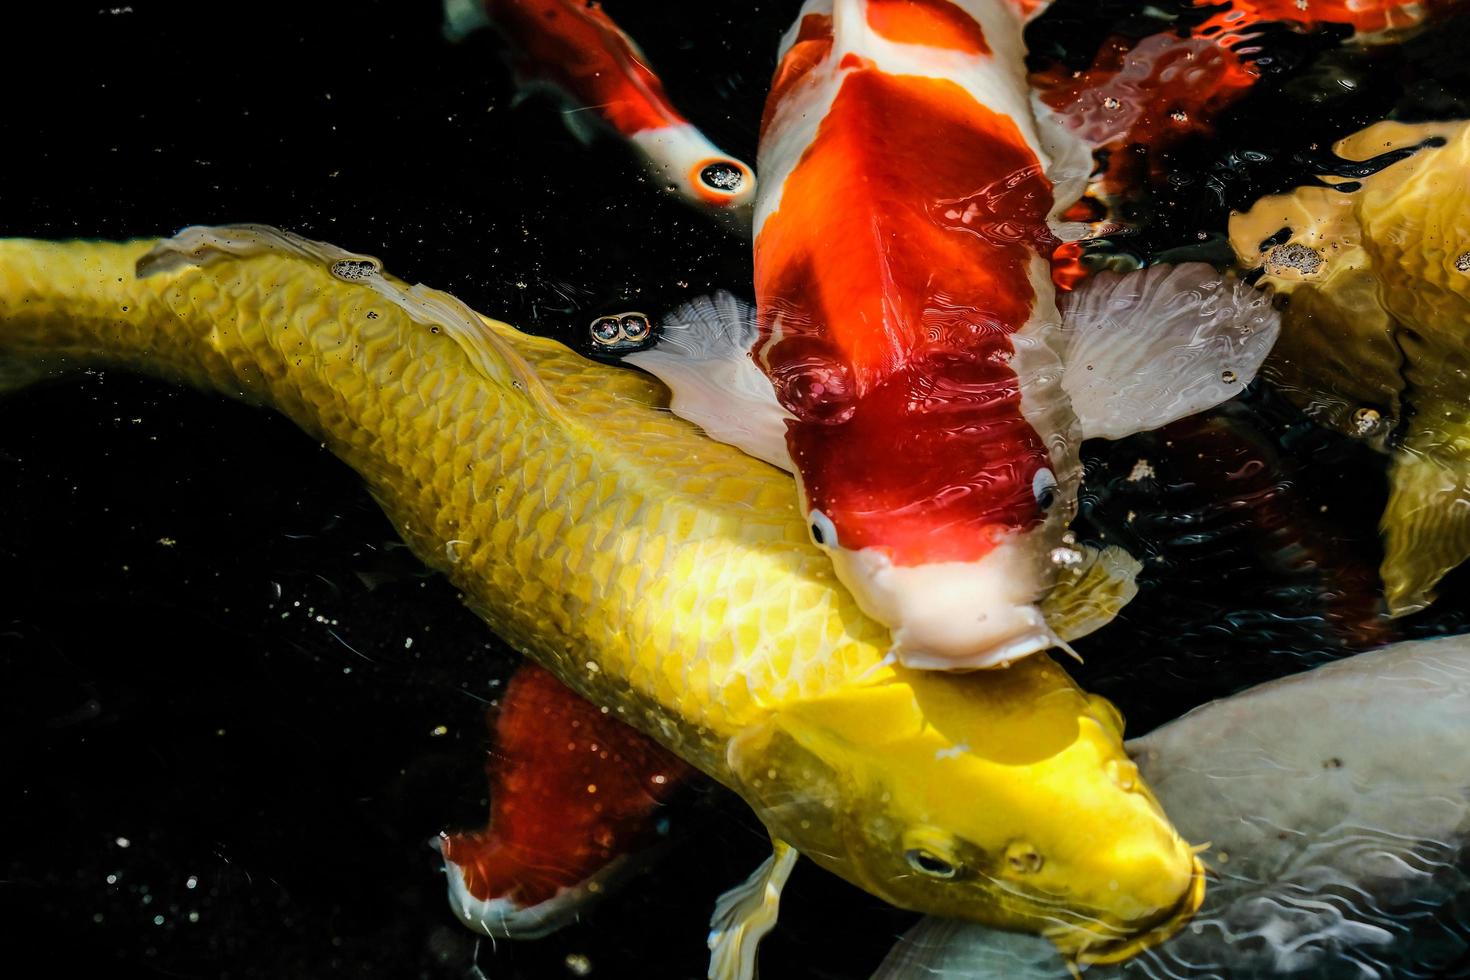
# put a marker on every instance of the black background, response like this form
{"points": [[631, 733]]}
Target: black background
{"points": [[205, 620]]}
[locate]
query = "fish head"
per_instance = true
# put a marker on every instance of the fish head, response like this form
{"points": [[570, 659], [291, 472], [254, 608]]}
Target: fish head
{"points": [[1004, 797], [953, 546]]}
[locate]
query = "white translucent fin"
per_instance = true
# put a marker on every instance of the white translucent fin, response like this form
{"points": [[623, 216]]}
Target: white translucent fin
{"points": [[583, 123], [703, 356], [745, 913], [1069, 170], [463, 17], [1142, 349], [492, 355], [1091, 588], [502, 917], [198, 245]]}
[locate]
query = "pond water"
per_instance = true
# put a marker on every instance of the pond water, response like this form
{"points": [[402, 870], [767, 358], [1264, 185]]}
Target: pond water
{"points": [[236, 709]]}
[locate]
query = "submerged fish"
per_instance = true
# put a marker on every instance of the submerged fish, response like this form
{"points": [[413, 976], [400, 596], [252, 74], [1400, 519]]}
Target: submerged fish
{"points": [[577, 50], [906, 359], [1142, 96], [1338, 804], [574, 796], [1375, 267], [656, 573]]}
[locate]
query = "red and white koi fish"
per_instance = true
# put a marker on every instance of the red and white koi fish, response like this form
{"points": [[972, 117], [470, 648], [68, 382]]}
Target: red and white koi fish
{"points": [[577, 50], [574, 794], [926, 394], [1141, 97]]}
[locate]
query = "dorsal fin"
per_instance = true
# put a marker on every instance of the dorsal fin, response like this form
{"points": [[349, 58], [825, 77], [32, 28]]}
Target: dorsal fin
{"points": [[492, 356]]}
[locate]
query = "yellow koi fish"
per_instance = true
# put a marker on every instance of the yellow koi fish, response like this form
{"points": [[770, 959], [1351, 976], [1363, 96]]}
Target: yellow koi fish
{"points": [[655, 572], [1376, 268]]}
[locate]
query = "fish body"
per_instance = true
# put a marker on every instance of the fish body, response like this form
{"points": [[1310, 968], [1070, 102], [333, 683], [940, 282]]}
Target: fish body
{"points": [[906, 359], [574, 795], [576, 49], [656, 573], [1142, 96], [1376, 268], [903, 294], [1338, 823]]}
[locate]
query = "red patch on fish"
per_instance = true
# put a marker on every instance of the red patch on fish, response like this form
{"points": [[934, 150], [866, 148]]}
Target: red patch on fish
{"points": [[933, 23], [575, 46], [571, 789], [1364, 16], [1140, 98], [810, 48], [1137, 100], [897, 265], [1067, 269]]}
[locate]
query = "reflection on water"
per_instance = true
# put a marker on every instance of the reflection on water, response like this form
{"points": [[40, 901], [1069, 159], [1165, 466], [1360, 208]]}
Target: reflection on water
{"points": [[238, 710]]}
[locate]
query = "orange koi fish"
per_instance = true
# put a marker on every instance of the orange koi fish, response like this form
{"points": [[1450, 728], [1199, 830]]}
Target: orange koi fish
{"points": [[578, 51], [1141, 97], [906, 359], [574, 794]]}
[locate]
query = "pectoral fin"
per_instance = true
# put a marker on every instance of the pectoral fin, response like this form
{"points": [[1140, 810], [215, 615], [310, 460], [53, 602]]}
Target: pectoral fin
{"points": [[463, 17], [745, 913], [1090, 592], [1426, 527], [1145, 348], [703, 356]]}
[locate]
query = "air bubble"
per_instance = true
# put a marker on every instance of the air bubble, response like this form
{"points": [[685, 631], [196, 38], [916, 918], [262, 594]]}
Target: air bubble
{"points": [[635, 326], [1066, 557], [1462, 262], [1295, 256], [605, 330], [722, 176], [1228, 376], [355, 270], [622, 331], [1366, 420]]}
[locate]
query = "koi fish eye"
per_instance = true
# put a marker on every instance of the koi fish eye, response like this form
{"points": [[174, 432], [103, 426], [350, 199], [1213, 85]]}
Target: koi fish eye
{"points": [[824, 532], [620, 332], [722, 175], [1044, 489], [929, 864]]}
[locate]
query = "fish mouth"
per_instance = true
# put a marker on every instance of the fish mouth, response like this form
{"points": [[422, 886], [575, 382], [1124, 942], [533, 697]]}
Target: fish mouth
{"points": [[1003, 654], [1085, 948]]}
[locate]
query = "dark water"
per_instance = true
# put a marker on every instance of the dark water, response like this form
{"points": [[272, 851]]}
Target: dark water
{"points": [[205, 635]]}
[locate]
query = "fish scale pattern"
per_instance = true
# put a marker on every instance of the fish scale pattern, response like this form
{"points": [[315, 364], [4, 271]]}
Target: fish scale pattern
{"points": [[1378, 274], [656, 572]]}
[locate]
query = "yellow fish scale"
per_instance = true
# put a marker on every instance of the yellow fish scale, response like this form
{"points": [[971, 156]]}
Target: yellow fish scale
{"points": [[1416, 225], [652, 569], [657, 573], [1374, 339]]}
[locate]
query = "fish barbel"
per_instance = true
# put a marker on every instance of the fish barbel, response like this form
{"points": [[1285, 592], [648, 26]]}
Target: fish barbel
{"points": [[655, 572], [906, 359]]}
